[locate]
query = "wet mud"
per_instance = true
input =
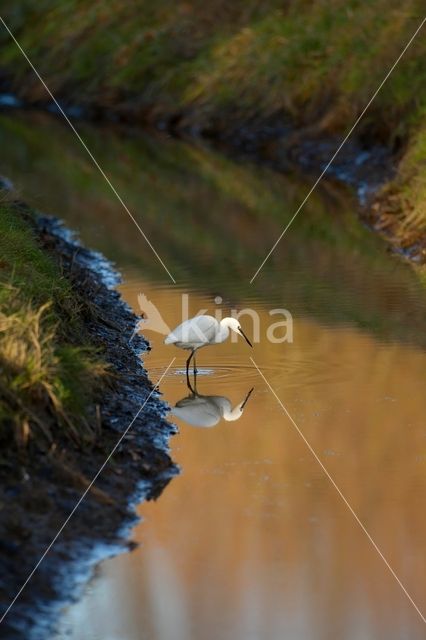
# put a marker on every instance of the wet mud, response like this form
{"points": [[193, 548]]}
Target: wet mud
{"points": [[38, 492]]}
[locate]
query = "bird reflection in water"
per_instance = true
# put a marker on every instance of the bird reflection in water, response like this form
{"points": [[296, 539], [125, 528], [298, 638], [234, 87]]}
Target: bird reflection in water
{"points": [[206, 411]]}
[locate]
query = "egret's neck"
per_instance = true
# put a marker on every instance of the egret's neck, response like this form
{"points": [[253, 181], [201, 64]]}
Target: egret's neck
{"points": [[227, 412], [233, 414], [223, 333]]}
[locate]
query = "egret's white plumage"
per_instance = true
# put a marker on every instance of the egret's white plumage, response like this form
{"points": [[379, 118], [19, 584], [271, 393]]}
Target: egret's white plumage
{"points": [[206, 411], [202, 331], [196, 332]]}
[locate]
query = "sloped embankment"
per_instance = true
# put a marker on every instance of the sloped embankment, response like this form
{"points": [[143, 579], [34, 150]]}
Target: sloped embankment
{"points": [[268, 74], [48, 457]]}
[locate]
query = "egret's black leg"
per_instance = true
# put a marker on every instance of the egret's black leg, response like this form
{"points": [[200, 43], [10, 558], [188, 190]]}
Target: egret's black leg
{"points": [[193, 389], [187, 368], [195, 371]]}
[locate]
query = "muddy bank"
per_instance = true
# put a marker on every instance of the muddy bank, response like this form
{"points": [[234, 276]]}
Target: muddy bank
{"points": [[365, 163], [367, 168], [364, 166], [38, 491], [306, 69]]}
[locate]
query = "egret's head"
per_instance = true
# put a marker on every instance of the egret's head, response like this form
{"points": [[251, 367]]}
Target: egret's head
{"points": [[237, 412], [234, 325]]}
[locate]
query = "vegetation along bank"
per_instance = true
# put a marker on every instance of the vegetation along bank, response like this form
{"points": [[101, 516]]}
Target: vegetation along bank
{"points": [[70, 384], [269, 76]]}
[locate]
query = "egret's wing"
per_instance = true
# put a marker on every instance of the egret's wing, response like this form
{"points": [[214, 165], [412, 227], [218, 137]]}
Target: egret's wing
{"points": [[190, 401], [200, 329], [222, 404], [196, 412]]}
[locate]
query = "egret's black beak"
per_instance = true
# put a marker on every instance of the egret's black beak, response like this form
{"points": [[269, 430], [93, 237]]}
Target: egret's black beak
{"points": [[245, 337], [247, 397]]}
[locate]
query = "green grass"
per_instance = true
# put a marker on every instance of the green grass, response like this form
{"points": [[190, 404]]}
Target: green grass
{"points": [[412, 182], [47, 375], [305, 57], [317, 62]]}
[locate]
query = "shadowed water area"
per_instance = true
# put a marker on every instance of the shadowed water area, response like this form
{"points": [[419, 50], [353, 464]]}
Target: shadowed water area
{"points": [[252, 540]]}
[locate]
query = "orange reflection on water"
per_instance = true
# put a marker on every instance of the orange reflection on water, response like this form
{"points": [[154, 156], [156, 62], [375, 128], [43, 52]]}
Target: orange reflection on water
{"points": [[252, 540]]}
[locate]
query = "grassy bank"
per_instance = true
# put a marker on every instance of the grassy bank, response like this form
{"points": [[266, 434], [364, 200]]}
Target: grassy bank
{"points": [[61, 412], [48, 372], [214, 65]]}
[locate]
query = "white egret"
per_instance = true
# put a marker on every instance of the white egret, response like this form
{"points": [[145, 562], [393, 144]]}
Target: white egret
{"points": [[202, 331], [206, 411]]}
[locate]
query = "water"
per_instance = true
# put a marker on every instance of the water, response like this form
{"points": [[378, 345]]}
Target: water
{"points": [[252, 540]]}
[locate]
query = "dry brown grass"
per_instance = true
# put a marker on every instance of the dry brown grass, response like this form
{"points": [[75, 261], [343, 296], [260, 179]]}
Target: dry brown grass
{"points": [[46, 381]]}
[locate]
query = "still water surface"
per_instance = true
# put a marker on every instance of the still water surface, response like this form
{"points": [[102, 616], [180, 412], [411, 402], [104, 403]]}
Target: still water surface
{"points": [[252, 541]]}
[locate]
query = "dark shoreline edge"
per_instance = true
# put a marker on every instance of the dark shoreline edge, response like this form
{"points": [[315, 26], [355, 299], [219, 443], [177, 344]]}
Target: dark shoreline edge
{"points": [[365, 166], [36, 499]]}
